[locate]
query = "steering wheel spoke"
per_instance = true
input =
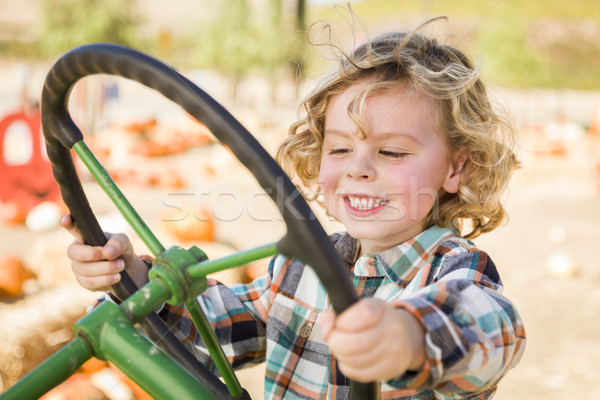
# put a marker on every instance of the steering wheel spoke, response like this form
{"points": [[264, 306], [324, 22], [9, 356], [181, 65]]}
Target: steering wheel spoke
{"points": [[114, 193]]}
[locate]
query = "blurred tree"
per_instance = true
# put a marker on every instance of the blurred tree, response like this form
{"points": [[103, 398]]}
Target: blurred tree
{"points": [[522, 53], [301, 30], [244, 38], [70, 23], [510, 60]]}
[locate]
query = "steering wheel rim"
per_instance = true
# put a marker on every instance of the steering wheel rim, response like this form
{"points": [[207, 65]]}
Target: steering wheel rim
{"points": [[305, 238]]}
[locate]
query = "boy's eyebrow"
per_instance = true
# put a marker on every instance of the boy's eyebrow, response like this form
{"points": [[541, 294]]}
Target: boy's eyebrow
{"points": [[337, 132], [402, 135], [383, 135]]}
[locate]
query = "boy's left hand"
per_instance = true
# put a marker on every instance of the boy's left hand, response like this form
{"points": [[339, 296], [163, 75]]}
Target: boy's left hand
{"points": [[374, 341]]}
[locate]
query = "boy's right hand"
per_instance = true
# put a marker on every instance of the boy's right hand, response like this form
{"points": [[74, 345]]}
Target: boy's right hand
{"points": [[98, 267]]}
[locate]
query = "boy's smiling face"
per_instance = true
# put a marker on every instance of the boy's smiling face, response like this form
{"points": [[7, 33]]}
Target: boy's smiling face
{"points": [[382, 187]]}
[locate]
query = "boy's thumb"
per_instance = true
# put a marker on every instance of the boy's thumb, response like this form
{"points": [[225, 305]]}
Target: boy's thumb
{"points": [[67, 222], [327, 322]]}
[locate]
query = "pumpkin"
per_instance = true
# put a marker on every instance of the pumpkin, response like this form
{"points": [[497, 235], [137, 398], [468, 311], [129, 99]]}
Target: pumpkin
{"points": [[198, 139], [558, 149], [594, 128], [210, 171], [176, 145], [257, 270], [44, 216], [141, 127], [77, 387], [12, 213], [124, 176], [170, 178], [138, 392], [194, 227], [93, 365], [150, 148], [13, 275], [562, 265]]}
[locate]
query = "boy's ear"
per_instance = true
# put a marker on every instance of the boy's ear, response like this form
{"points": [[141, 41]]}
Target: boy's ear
{"points": [[455, 172]]}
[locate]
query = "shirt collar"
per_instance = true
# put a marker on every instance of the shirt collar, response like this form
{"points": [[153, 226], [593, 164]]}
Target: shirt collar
{"points": [[346, 247], [399, 263]]}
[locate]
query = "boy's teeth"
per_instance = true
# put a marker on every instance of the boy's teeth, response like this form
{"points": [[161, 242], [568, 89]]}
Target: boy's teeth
{"points": [[364, 203]]}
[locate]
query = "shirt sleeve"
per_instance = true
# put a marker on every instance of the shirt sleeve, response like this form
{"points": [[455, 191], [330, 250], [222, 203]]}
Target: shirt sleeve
{"points": [[237, 314], [474, 334]]}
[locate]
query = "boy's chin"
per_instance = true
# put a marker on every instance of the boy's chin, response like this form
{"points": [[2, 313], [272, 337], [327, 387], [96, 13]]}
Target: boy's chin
{"points": [[367, 233], [378, 232]]}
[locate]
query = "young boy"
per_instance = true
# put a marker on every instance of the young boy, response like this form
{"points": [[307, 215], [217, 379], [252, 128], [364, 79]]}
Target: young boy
{"points": [[403, 147]]}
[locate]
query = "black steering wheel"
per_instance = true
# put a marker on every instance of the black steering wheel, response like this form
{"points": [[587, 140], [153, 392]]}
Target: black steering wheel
{"points": [[305, 238]]}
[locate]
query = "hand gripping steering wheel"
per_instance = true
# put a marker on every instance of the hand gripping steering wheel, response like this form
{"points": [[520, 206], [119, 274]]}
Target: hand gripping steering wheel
{"points": [[305, 238]]}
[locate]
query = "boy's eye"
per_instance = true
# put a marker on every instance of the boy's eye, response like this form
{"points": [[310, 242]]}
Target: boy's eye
{"points": [[339, 151], [392, 154]]}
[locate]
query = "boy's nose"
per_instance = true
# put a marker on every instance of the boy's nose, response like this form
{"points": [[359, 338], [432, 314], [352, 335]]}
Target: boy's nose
{"points": [[360, 167]]}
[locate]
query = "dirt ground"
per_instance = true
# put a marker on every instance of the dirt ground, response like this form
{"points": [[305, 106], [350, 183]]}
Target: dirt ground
{"points": [[547, 255], [554, 213]]}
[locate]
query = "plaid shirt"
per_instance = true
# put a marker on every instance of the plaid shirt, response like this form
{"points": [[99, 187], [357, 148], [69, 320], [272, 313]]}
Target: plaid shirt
{"points": [[473, 333]]}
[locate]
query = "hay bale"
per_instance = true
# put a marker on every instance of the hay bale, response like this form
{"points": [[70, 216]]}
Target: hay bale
{"points": [[48, 260], [36, 326]]}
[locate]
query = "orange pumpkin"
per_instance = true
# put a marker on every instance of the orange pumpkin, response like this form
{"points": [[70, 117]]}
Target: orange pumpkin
{"points": [[93, 365], [209, 170], [196, 227], [558, 149], [138, 392], [12, 213], [257, 270], [150, 148], [176, 145], [170, 178], [594, 128], [13, 274], [77, 387], [141, 127], [198, 139]]}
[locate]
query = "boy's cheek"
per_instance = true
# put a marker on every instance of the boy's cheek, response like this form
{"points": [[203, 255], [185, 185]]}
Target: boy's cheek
{"points": [[327, 180], [330, 200], [326, 168], [329, 197]]}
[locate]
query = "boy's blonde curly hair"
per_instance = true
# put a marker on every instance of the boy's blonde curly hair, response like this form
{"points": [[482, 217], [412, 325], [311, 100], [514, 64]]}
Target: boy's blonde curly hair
{"points": [[461, 107]]}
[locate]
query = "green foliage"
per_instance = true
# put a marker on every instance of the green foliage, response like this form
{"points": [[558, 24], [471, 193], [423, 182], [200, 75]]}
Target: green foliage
{"points": [[19, 50], [242, 39], [517, 39], [513, 59], [375, 9], [70, 23], [524, 44], [508, 58]]}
